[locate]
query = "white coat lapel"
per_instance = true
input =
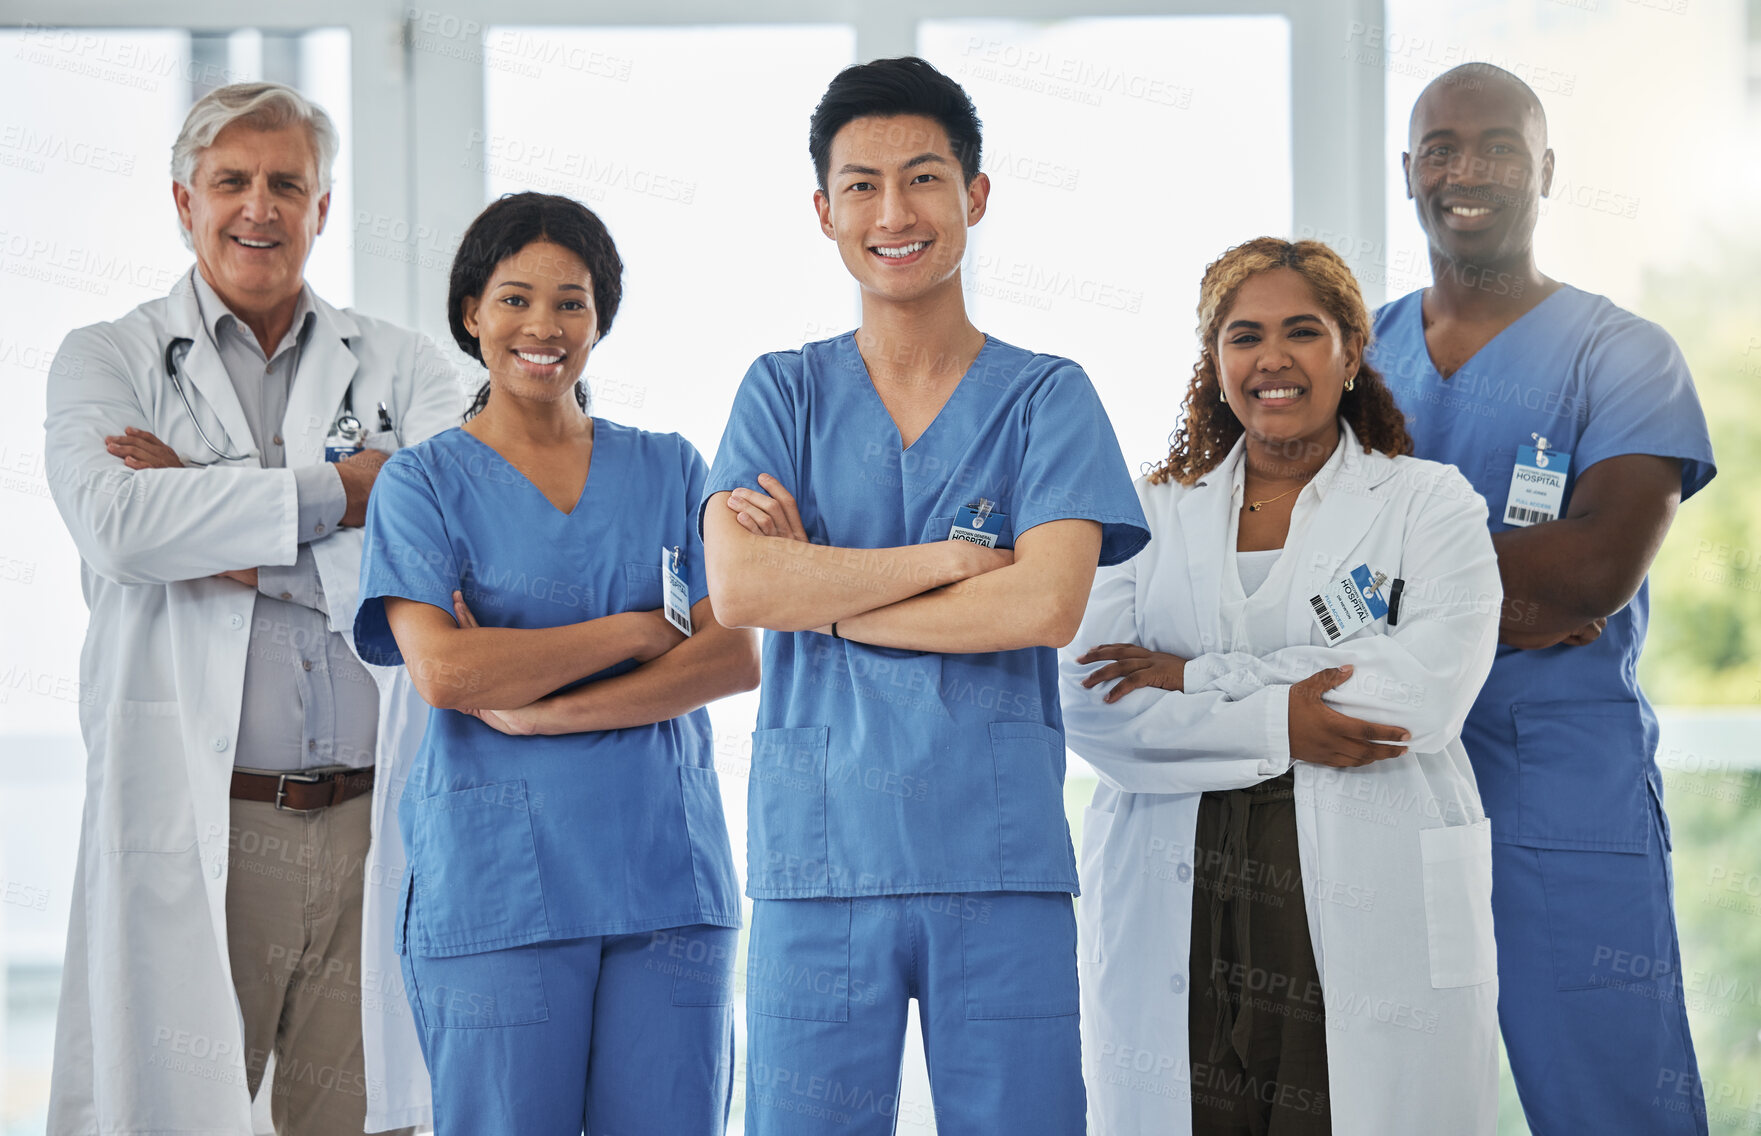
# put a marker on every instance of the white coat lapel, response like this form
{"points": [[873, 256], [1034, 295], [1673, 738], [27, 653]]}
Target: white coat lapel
{"points": [[327, 367], [1204, 527], [1350, 502], [205, 380]]}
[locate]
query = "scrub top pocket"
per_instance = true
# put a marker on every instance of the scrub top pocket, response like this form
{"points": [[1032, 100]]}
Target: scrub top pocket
{"points": [[712, 863], [641, 585], [786, 807], [1029, 765], [1581, 777], [474, 864]]}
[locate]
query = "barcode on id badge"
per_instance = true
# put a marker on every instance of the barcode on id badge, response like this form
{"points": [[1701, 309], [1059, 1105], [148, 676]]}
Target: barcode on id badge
{"points": [[1325, 616], [1517, 515]]}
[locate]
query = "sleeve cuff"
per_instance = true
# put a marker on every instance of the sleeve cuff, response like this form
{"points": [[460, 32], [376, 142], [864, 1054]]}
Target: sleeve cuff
{"points": [[295, 583], [1277, 732], [321, 500]]}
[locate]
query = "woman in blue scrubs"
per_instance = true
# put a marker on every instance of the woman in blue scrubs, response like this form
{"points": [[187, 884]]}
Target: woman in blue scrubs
{"points": [[571, 910]]}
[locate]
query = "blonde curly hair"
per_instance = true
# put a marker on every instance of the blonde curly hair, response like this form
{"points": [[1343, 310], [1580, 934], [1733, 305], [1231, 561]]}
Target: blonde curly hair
{"points": [[1209, 428]]}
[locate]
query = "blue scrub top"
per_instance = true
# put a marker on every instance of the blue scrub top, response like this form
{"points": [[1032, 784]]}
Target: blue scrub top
{"points": [[878, 771], [515, 840], [1562, 740]]}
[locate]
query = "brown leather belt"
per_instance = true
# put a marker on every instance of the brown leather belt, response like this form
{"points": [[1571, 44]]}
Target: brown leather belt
{"points": [[301, 792]]}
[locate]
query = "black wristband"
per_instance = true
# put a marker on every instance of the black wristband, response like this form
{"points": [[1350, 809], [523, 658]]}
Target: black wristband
{"points": [[835, 634]]}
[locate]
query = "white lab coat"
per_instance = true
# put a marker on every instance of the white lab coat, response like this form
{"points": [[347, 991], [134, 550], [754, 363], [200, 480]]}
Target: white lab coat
{"points": [[1396, 855], [149, 1036]]}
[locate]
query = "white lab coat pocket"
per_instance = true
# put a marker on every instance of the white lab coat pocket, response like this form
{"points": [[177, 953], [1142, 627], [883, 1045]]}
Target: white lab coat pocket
{"points": [[1458, 903]]}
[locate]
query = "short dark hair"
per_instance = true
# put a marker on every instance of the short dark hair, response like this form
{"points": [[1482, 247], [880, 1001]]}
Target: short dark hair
{"points": [[887, 88], [509, 225]]}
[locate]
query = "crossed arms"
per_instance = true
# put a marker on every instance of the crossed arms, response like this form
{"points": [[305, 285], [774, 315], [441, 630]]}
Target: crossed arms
{"points": [[947, 596]]}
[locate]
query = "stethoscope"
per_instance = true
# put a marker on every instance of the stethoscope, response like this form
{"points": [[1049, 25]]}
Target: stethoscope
{"points": [[177, 384], [346, 429]]}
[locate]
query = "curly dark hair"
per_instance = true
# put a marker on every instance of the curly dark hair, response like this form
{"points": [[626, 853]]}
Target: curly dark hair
{"points": [[1208, 427]]}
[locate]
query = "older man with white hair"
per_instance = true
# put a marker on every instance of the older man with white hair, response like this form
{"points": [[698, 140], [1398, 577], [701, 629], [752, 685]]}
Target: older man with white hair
{"points": [[211, 453]]}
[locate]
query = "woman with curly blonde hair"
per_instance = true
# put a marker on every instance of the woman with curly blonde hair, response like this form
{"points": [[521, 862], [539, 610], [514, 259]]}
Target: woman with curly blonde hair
{"points": [[1286, 869]]}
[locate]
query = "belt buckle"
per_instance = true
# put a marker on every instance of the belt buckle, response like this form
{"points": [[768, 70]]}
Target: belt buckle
{"points": [[281, 781]]}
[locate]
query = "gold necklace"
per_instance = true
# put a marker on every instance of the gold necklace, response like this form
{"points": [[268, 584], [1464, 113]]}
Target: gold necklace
{"points": [[1254, 506]]}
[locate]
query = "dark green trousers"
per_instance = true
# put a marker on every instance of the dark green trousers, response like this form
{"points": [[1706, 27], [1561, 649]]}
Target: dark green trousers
{"points": [[1256, 1025]]}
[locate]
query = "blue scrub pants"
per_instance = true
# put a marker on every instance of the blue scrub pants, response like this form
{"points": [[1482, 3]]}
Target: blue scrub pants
{"points": [[994, 975], [1590, 991], [616, 1035]]}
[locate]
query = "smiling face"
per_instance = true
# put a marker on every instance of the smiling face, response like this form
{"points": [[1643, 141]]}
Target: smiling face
{"points": [[535, 323], [252, 210], [1283, 361], [897, 205], [1478, 168]]}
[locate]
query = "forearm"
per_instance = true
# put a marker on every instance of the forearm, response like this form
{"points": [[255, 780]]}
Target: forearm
{"points": [[1555, 581], [1424, 682], [1158, 741], [788, 585], [705, 667], [1036, 601], [496, 668], [1003, 610], [157, 526]]}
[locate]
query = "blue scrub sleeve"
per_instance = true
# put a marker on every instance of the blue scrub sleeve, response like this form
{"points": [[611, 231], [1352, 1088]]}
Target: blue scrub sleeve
{"points": [[1073, 468], [759, 437], [405, 552], [1642, 401], [696, 473]]}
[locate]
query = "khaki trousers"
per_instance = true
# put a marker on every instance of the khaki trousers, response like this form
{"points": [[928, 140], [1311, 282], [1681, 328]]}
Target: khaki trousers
{"points": [[293, 919]]}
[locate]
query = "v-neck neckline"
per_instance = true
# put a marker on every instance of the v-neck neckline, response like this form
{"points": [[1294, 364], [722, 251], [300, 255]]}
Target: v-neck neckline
{"points": [[599, 438], [941, 411], [1484, 347]]}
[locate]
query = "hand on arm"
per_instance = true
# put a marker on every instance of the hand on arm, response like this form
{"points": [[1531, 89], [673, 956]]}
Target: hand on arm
{"points": [[1564, 578], [358, 472], [1135, 667], [783, 583], [713, 663], [460, 668]]}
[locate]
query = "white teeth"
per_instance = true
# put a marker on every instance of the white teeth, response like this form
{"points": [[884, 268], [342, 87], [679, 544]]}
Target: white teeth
{"points": [[1469, 210], [248, 243], [1282, 392], [541, 360], [902, 250]]}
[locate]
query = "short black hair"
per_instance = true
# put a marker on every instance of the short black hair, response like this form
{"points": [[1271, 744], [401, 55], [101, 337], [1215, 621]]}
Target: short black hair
{"points": [[887, 88], [509, 225]]}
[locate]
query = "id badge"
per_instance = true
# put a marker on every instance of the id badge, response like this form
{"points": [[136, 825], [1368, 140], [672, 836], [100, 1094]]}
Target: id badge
{"points": [[979, 523], [1537, 484], [345, 438], [675, 594], [1350, 603]]}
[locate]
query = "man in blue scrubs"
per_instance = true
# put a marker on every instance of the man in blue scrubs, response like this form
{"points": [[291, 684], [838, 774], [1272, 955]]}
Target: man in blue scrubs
{"points": [[915, 511], [1578, 423]]}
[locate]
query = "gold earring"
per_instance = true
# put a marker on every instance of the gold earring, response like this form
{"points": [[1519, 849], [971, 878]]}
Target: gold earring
{"points": [[1221, 397], [1351, 382]]}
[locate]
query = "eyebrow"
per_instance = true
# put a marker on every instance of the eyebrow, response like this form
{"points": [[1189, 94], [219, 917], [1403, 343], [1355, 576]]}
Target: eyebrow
{"points": [[281, 174], [528, 287], [1449, 132], [923, 159], [1291, 321]]}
